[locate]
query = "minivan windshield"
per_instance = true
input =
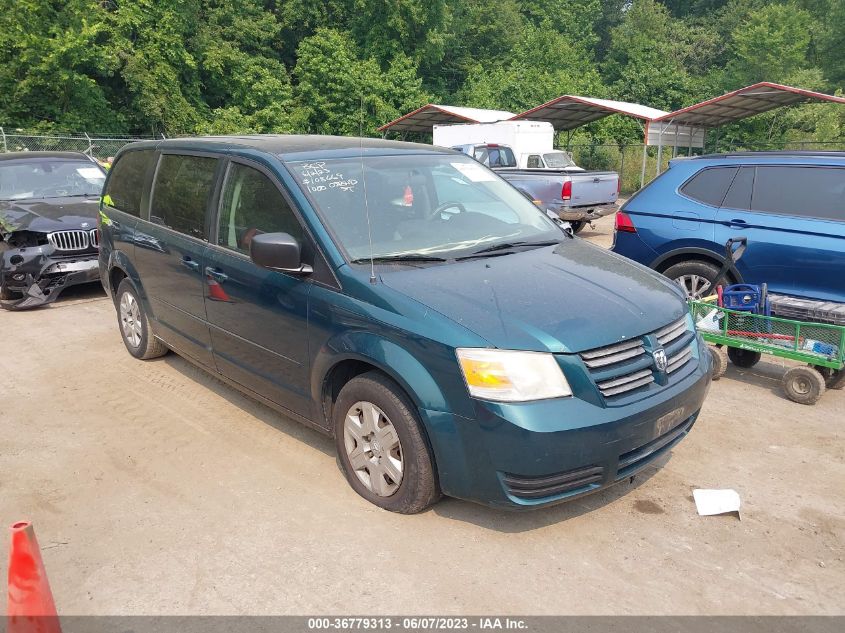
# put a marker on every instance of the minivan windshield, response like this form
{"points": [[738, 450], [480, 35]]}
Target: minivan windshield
{"points": [[49, 178], [420, 206]]}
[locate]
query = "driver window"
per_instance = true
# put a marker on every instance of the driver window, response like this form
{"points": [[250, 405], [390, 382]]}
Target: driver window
{"points": [[534, 161], [252, 205]]}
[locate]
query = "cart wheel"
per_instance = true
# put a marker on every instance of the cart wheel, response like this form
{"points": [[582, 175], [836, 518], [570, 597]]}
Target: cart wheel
{"points": [[720, 362], [743, 357], [804, 385]]}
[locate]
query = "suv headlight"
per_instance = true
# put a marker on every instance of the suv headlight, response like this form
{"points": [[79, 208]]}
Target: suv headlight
{"points": [[511, 376]]}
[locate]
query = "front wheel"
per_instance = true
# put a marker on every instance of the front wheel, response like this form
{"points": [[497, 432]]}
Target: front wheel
{"points": [[804, 385], [720, 361], [135, 326], [380, 445]]}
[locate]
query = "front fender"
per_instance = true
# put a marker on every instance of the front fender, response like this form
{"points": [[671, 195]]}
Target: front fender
{"points": [[388, 356]]}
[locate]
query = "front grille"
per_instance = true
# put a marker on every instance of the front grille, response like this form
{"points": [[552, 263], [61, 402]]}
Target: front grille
{"points": [[633, 460], [94, 238], [624, 367], [547, 486], [69, 240]]}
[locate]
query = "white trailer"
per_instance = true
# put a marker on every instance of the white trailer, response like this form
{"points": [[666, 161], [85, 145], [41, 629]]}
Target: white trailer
{"points": [[532, 142]]}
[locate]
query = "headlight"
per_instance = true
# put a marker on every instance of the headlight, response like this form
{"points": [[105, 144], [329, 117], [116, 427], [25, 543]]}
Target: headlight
{"points": [[494, 374]]}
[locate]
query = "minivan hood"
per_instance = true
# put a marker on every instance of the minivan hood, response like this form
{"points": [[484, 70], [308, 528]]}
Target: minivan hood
{"points": [[48, 214], [566, 298]]}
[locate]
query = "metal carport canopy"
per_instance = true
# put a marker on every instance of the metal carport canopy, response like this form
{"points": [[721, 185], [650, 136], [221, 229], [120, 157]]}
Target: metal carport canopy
{"points": [[745, 102], [425, 118], [568, 112]]}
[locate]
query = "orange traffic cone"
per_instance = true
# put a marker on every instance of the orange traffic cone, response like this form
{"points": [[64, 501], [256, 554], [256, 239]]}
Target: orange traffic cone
{"points": [[31, 608]]}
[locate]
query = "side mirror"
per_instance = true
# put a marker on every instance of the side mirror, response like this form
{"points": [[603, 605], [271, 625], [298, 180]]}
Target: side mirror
{"points": [[278, 251]]}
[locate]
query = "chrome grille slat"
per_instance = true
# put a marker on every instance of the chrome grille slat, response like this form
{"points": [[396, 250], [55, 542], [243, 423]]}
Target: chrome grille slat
{"points": [[679, 360], [607, 384], [671, 332], [94, 238], [612, 354], [611, 349], [69, 240], [630, 386]]}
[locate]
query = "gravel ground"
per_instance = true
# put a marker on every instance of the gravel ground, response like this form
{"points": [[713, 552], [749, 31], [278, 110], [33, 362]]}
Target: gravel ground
{"points": [[156, 489]]}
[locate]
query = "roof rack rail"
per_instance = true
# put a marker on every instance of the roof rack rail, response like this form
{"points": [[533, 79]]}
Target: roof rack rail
{"points": [[783, 152]]}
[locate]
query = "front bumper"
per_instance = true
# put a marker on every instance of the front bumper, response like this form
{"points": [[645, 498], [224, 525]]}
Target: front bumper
{"points": [[527, 455], [34, 276]]}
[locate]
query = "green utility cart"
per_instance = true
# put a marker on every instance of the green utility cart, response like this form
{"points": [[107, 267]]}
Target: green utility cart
{"points": [[743, 337]]}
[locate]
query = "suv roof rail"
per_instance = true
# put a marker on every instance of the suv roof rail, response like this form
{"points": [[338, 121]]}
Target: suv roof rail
{"points": [[785, 152]]}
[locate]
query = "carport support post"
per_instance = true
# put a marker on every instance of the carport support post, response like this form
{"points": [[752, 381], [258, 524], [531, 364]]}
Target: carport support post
{"points": [[659, 151], [675, 147], [3, 134], [691, 131]]}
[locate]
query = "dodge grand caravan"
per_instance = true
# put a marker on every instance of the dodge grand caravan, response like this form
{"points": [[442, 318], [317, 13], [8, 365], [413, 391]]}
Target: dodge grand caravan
{"points": [[407, 301]]}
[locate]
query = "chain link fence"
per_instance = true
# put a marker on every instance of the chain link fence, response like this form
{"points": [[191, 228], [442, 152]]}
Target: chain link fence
{"points": [[627, 160], [99, 147]]}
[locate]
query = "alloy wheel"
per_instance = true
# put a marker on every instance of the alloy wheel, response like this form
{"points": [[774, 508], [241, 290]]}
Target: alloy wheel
{"points": [[695, 286]]}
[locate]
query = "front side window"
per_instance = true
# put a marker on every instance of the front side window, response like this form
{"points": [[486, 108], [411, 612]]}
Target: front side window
{"points": [[30, 178], [710, 185], [816, 192], [252, 205], [127, 180], [435, 205], [181, 193]]}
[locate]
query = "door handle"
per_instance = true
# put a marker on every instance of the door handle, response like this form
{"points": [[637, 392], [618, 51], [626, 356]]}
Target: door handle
{"points": [[737, 222], [216, 274], [190, 264]]}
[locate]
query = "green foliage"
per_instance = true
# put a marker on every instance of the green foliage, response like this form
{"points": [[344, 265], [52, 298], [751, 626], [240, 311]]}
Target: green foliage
{"points": [[340, 66]]}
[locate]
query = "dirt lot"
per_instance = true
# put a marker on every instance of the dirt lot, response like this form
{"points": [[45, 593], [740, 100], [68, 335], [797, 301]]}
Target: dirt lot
{"points": [[156, 489]]}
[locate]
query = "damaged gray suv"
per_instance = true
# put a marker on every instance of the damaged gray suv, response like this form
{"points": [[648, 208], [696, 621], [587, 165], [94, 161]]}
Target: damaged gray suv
{"points": [[48, 225]]}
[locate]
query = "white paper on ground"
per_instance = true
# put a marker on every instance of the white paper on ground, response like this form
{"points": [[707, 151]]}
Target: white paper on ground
{"points": [[710, 502]]}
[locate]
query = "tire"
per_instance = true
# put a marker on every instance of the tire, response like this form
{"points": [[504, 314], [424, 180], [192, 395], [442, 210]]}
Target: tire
{"points": [[577, 226], [720, 361], [391, 448], [694, 276], [134, 325], [833, 378], [804, 385], [743, 357]]}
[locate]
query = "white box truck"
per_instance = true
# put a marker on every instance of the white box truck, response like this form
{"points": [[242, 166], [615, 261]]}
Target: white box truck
{"points": [[532, 142]]}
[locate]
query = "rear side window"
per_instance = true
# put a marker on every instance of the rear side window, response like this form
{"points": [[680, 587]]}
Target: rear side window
{"points": [[252, 205], [180, 196], [710, 185], [534, 161], [739, 195], [817, 192], [126, 182]]}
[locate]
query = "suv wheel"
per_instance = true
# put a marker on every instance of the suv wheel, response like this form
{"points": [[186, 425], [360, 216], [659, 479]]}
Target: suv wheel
{"points": [[134, 325], [380, 446], [695, 277], [577, 226]]}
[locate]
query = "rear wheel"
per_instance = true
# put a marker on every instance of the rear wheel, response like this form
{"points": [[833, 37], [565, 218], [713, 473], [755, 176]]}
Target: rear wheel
{"points": [[577, 225], [804, 385], [380, 445], [135, 326], [743, 357], [695, 277]]}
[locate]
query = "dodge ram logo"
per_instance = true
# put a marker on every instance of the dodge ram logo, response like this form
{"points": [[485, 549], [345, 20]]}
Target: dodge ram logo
{"points": [[660, 359]]}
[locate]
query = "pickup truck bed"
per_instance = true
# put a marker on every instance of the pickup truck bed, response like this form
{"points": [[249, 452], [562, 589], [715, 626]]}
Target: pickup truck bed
{"points": [[593, 194]]}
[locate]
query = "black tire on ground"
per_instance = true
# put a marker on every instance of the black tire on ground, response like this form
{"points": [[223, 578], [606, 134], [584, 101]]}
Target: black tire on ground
{"points": [[418, 488], [685, 274], [148, 346], [720, 361], [833, 378], [804, 385], [577, 226], [743, 357]]}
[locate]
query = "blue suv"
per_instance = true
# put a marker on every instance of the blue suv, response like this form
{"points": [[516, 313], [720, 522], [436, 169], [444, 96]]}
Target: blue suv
{"points": [[790, 206]]}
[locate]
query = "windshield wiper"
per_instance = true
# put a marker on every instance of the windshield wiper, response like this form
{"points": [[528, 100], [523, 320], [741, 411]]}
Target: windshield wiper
{"points": [[490, 250], [400, 257]]}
